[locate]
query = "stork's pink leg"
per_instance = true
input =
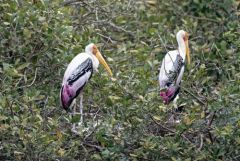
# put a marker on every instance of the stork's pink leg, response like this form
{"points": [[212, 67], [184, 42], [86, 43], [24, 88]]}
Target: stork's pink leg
{"points": [[81, 109], [73, 114]]}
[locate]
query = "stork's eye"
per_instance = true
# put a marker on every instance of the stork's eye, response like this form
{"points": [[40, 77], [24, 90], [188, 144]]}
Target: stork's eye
{"points": [[94, 50], [185, 37]]}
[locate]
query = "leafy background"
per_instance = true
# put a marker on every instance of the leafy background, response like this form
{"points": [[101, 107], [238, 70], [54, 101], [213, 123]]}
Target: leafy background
{"points": [[124, 116]]}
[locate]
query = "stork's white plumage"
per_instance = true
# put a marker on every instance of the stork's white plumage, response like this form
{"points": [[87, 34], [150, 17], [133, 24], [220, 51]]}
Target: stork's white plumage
{"points": [[77, 74], [172, 68]]}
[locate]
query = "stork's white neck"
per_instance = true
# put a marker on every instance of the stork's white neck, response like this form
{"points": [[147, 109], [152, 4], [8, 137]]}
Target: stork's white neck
{"points": [[181, 47]]}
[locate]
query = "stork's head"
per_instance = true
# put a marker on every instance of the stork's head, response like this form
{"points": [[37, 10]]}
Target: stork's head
{"points": [[92, 49], [184, 35]]}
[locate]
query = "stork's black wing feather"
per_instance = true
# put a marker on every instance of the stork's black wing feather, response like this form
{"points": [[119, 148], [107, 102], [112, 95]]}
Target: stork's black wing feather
{"points": [[173, 75], [83, 68]]}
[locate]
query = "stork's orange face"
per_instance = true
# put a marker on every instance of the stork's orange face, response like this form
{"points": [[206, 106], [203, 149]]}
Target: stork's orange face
{"points": [[185, 38], [101, 59]]}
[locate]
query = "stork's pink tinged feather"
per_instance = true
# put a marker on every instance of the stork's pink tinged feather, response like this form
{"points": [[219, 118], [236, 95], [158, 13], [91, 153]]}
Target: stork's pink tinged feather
{"points": [[166, 96], [67, 94]]}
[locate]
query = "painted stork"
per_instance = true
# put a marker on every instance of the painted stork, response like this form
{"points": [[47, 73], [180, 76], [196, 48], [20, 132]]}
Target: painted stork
{"points": [[172, 69], [76, 76]]}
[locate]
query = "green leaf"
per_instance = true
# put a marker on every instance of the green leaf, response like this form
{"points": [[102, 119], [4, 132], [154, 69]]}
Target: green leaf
{"points": [[27, 33], [6, 23], [75, 119], [22, 66], [157, 118]]}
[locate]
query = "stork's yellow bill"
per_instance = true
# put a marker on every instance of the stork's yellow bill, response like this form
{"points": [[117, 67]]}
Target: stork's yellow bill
{"points": [[102, 60]]}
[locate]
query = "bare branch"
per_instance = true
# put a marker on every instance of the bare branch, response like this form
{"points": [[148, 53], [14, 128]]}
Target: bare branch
{"points": [[211, 121], [201, 142], [70, 2], [199, 100], [170, 130], [35, 76], [173, 131], [106, 37], [121, 29], [163, 43], [111, 24], [205, 19], [93, 146]]}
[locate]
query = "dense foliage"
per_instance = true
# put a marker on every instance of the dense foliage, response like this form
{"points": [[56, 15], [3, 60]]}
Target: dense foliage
{"points": [[124, 116]]}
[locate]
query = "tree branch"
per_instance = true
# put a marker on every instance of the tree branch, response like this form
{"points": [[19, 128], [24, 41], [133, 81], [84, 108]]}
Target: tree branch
{"points": [[35, 76], [199, 100]]}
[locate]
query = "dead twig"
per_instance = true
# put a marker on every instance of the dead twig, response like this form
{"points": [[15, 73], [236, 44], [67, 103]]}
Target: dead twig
{"points": [[70, 2], [93, 146], [18, 81], [106, 37], [129, 3], [121, 29], [199, 100], [111, 24], [201, 142], [211, 121], [163, 42], [236, 157], [205, 19], [12, 113], [170, 130], [90, 133], [45, 102], [34, 79], [195, 38], [173, 131], [209, 125]]}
